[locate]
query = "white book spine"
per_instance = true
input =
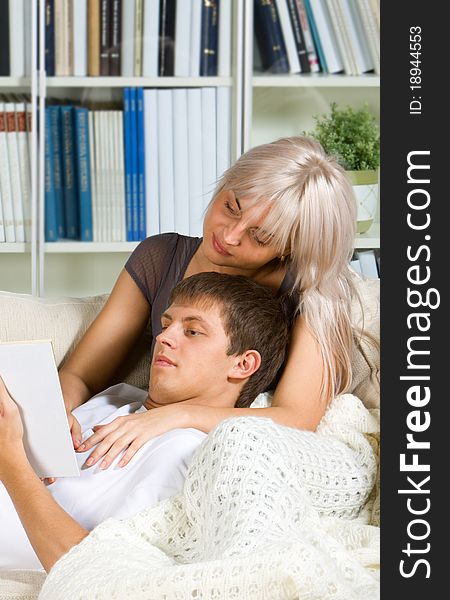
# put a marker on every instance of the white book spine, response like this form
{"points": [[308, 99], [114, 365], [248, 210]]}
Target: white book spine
{"points": [[115, 177], [108, 141], [151, 162], [99, 175], [138, 28], [27, 34], [150, 39], [165, 146], [196, 32], [121, 176], [5, 183], [288, 35], [327, 37], [342, 37], [209, 144], [2, 227], [357, 38], [368, 263], [195, 162], [371, 32], [24, 167], [127, 49], [356, 265], [14, 171], [181, 161], [95, 226], [16, 38], [79, 8], [182, 38], [225, 32], [223, 130]]}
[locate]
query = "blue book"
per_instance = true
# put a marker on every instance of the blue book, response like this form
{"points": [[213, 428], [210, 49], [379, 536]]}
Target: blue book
{"points": [[54, 118], [50, 216], [69, 175], [316, 37], [141, 164], [134, 166], [269, 37], [209, 38], [50, 37], [83, 171], [127, 157]]}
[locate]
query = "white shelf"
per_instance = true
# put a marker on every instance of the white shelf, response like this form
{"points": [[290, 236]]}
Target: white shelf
{"points": [[17, 82], [14, 247], [73, 247], [120, 82], [316, 80], [370, 239]]}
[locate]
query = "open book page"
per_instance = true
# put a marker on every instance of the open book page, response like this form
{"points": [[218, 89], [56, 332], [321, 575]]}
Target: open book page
{"points": [[30, 375]]}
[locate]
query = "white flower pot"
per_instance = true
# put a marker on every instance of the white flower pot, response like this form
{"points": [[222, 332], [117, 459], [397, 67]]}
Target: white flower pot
{"points": [[365, 186]]}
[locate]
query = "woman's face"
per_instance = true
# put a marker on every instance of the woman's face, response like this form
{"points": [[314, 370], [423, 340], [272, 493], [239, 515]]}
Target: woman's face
{"points": [[232, 236]]}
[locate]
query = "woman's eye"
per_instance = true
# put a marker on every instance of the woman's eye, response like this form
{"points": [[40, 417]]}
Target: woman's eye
{"points": [[230, 209], [258, 240]]}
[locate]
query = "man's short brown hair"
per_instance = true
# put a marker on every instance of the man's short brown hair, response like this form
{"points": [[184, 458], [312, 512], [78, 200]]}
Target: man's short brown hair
{"points": [[252, 318]]}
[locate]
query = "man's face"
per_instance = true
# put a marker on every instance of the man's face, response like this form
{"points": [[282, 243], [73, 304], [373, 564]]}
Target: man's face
{"points": [[190, 360]]}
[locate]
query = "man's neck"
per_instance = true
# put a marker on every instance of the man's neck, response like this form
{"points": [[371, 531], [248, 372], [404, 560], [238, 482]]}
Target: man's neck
{"points": [[222, 401]]}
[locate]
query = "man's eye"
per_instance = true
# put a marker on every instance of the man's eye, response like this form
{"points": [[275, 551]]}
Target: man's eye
{"points": [[164, 327], [192, 332]]}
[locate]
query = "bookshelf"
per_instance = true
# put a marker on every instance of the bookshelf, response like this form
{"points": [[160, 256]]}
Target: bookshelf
{"points": [[264, 107]]}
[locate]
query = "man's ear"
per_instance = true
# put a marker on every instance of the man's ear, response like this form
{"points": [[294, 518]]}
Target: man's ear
{"points": [[245, 365]]}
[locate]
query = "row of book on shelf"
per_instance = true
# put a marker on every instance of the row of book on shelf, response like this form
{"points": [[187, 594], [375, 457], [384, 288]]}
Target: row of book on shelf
{"points": [[147, 167], [367, 263], [311, 36], [130, 38]]}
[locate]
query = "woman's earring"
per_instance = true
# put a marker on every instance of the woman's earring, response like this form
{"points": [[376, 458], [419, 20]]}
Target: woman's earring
{"points": [[282, 257]]}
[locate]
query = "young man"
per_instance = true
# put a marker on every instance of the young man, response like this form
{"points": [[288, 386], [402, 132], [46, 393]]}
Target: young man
{"points": [[224, 339]]}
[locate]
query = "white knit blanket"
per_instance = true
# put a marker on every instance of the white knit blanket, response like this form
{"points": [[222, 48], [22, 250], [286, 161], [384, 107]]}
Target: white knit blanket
{"points": [[267, 512]]}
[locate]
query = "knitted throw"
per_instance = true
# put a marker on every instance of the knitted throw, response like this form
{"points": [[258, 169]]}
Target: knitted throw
{"points": [[266, 512]]}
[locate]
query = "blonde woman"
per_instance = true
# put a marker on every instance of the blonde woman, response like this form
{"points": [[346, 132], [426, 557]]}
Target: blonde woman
{"points": [[284, 216]]}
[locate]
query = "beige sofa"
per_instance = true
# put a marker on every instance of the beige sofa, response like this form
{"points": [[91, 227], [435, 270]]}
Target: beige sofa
{"points": [[64, 320]]}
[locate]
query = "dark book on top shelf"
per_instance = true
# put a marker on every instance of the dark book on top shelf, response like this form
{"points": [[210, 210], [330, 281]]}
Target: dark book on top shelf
{"points": [[299, 37], [69, 173], [50, 37], [269, 37], [105, 35], [115, 37], [209, 38], [4, 39], [166, 62]]}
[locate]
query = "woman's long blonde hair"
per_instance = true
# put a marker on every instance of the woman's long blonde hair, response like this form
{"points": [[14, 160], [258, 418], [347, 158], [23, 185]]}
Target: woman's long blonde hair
{"points": [[313, 215]]}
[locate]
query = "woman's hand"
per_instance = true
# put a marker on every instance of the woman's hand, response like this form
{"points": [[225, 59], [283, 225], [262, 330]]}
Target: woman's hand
{"points": [[130, 433], [75, 429]]}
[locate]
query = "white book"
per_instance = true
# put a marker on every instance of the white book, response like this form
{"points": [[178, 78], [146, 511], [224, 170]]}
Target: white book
{"points": [[225, 32], [112, 181], [196, 33], [2, 227], [119, 207], [14, 170], [288, 36], [29, 372], [150, 39], [368, 263], [165, 148], [16, 38], [100, 174], [182, 38], [181, 161], [27, 35], [95, 224], [5, 183], [342, 37], [121, 176], [151, 162], [356, 265], [62, 38], [127, 48], [194, 97], [209, 145], [223, 130], [327, 36], [79, 20], [371, 32], [107, 142], [24, 167], [356, 34], [138, 30], [375, 7]]}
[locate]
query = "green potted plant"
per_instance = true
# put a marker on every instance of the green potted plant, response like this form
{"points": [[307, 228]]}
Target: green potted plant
{"points": [[353, 138]]}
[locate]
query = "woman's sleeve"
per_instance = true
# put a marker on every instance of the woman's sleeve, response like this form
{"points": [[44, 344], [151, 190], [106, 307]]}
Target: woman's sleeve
{"points": [[147, 262]]}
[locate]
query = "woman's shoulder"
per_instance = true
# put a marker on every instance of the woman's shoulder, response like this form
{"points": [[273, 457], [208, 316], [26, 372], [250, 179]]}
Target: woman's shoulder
{"points": [[165, 245]]}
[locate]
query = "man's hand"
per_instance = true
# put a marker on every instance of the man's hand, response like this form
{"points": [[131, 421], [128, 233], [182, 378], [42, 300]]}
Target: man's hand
{"points": [[75, 429], [11, 431], [130, 433]]}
